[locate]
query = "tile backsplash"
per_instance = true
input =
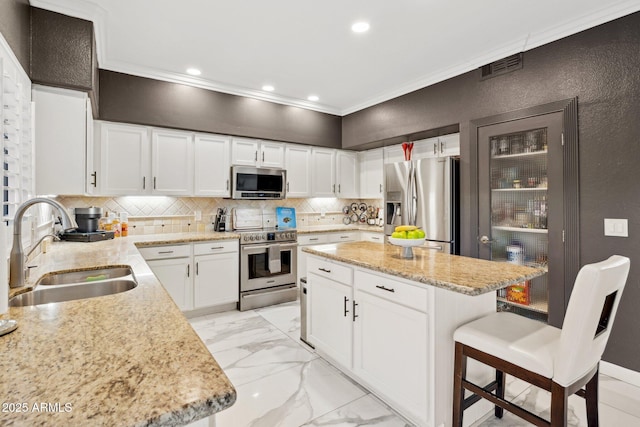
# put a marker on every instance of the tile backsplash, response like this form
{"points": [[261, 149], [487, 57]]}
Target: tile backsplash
{"points": [[164, 214]]}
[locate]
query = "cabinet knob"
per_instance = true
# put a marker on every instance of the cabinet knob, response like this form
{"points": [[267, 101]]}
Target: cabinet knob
{"points": [[485, 240]]}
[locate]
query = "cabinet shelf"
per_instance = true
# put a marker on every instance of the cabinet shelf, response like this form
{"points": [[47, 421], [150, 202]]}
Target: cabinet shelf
{"points": [[521, 229], [537, 306], [520, 155], [520, 189]]}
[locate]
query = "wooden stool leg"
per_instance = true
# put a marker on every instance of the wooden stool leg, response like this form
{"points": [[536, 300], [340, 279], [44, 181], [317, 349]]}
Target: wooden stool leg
{"points": [[459, 372], [500, 381], [591, 400], [559, 403]]}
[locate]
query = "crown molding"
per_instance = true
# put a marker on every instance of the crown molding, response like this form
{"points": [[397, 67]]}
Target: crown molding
{"points": [[93, 12]]}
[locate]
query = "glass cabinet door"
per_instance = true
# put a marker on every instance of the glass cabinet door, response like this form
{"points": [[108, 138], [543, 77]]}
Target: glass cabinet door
{"points": [[519, 211]]}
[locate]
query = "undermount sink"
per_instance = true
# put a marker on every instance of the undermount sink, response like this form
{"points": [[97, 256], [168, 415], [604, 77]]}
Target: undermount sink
{"points": [[75, 285], [84, 276]]}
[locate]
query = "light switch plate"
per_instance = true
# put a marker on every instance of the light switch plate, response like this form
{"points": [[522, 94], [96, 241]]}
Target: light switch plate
{"points": [[616, 227], [198, 215]]}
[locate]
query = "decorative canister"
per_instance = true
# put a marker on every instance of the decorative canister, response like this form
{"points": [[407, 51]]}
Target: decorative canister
{"points": [[515, 254]]}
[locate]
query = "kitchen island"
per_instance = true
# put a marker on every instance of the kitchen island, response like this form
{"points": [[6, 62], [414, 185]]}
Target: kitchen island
{"points": [[388, 322], [126, 359]]}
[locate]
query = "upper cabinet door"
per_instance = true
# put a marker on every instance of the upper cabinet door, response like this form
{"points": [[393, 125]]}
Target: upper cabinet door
{"points": [[371, 174], [323, 167], [271, 155], [172, 162], [124, 159], [245, 151], [61, 139], [298, 165], [347, 175], [211, 170]]}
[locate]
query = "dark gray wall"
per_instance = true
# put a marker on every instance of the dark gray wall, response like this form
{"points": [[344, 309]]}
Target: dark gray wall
{"points": [[132, 99], [63, 52], [14, 26], [601, 67]]}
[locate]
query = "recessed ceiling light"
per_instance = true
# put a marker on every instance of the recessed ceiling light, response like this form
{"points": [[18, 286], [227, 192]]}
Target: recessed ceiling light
{"points": [[360, 27], [313, 98], [194, 71], [268, 88]]}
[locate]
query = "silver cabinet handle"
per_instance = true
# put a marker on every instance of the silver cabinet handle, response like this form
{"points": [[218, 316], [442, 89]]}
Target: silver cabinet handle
{"points": [[384, 288], [314, 239], [227, 184], [144, 182], [217, 247], [256, 158], [197, 268], [381, 188], [165, 252], [188, 270], [435, 148], [334, 188], [95, 178], [375, 238], [354, 310], [442, 147], [154, 182], [344, 237], [263, 157], [346, 300], [325, 270], [338, 188], [287, 186]]}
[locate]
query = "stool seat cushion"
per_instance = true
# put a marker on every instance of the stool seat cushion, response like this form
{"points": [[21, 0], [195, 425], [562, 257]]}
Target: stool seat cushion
{"points": [[524, 342]]}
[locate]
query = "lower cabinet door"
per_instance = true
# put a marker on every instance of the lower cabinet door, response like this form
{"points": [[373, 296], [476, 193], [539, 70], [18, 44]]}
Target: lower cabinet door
{"points": [[216, 279], [330, 318], [390, 352], [175, 276]]}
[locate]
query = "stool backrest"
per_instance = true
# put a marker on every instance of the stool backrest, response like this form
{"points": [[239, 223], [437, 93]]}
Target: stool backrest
{"points": [[589, 318]]}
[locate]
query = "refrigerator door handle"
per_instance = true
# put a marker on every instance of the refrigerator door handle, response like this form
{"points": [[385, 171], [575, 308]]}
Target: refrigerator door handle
{"points": [[413, 196]]}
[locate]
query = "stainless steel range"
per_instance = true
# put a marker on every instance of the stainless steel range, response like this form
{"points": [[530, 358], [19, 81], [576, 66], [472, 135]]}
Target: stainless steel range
{"points": [[268, 263]]}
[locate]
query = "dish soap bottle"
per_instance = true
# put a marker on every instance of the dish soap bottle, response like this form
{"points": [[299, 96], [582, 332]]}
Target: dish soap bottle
{"points": [[124, 224]]}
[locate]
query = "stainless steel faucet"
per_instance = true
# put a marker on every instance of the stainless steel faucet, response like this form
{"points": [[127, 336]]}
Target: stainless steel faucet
{"points": [[17, 259]]}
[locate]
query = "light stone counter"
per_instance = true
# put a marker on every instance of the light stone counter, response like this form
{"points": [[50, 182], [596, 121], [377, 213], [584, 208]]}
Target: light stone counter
{"points": [[314, 229], [469, 276], [128, 359]]}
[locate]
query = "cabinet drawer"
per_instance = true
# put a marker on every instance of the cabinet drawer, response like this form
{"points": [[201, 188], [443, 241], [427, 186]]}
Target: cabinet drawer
{"points": [[328, 269], [215, 247], [312, 239], [392, 290], [349, 236], [373, 237], [164, 252]]}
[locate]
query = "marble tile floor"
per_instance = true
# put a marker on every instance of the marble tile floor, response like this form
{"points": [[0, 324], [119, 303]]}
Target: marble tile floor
{"points": [[282, 382]]}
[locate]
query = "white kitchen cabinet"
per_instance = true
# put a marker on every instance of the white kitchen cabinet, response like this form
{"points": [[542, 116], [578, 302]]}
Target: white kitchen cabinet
{"points": [[199, 275], [175, 276], [211, 168], [391, 337], [63, 136], [124, 159], [372, 174], [347, 175], [323, 172], [216, 273], [254, 152], [372, 236], [171, 162], [441, 146], [329, 328], [298, 166]]}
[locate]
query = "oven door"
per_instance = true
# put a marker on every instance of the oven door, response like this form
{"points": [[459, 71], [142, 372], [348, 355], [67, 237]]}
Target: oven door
{"points": [[254, 266]]}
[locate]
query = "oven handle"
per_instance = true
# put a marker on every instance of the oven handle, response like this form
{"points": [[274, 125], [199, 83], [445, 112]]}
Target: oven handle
{"points": [[282, 245]]}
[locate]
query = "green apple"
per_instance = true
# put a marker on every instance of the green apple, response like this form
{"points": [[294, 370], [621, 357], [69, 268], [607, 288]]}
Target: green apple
{"points": [[399, 234], [420, 234], [412, 234]]}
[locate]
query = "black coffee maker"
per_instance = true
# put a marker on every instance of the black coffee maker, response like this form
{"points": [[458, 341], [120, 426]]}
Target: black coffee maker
{"points": [[87, 231]]}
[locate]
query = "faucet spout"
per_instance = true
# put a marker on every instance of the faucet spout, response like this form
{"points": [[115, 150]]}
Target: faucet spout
{"points": [[17, 258]]}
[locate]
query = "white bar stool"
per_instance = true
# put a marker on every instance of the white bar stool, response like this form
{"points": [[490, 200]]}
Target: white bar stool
{"points": [[561, 361]]}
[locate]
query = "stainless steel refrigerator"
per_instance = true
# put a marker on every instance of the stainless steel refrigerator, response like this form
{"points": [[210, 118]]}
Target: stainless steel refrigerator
{"points": [[425, 193]]}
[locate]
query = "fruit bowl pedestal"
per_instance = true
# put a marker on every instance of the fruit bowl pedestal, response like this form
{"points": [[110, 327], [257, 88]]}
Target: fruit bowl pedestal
{"points": [[406, 245]]}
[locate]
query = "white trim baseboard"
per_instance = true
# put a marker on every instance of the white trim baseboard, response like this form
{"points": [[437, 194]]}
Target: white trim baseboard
{"points": [[618, 372]]}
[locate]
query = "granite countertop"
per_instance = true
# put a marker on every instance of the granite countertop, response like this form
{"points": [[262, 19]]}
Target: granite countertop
{"points": [[128, 359], [470, 276], [337, 228]]}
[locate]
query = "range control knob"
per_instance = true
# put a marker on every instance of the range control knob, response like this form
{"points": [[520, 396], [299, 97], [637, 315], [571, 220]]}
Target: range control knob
{"points": [[246, 238], [252, 238]]}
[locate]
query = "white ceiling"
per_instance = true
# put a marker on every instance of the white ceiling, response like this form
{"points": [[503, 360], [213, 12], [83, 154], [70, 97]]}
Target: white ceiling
{"points": [[304, 47]]}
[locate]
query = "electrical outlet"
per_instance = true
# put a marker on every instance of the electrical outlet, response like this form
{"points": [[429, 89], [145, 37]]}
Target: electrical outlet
{"points": [[198, 215], [616, 227], [323, 213]]}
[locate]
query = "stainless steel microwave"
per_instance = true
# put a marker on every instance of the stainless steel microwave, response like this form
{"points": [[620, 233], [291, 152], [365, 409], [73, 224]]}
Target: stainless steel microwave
{"points": [[258, 183]]}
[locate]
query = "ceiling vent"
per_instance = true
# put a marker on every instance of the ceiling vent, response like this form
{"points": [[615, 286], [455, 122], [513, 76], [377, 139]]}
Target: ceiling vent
{"points": [[502, 66]]}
